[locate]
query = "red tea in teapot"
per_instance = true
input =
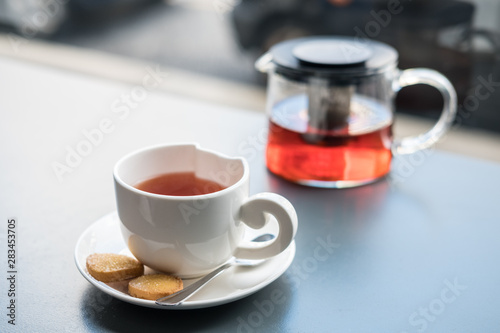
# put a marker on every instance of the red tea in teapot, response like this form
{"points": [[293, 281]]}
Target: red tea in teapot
{"points": [[356, 153]]}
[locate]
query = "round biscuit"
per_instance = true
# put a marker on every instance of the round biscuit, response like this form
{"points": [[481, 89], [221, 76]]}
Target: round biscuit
{"points": [[110, 267], [154, 286]]}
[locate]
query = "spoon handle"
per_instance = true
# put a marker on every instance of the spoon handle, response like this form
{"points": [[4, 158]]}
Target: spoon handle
{"points": [[180, 296]]}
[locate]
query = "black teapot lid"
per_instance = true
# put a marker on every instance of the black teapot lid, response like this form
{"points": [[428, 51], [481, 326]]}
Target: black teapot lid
{"points": [[332, 56]]}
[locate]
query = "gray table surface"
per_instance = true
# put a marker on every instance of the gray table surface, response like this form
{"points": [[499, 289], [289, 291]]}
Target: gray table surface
{"points": [[415, 252]]}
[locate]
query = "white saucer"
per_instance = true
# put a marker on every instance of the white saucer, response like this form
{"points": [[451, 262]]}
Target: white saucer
{"points": [[104, 236]]}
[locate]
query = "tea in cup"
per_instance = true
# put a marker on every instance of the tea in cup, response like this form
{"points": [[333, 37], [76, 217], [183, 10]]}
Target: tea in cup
{"points": [[184, 209]]}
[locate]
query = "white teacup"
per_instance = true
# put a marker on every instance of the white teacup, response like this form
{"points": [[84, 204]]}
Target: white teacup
{"points": [[191, 235]]}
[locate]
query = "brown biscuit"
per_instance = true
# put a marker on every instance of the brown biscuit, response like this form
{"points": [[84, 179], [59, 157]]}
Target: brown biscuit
{"points": [[154, 286], [109, 267]]}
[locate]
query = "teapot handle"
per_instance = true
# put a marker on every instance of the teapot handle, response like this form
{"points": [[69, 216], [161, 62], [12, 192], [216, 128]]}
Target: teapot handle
{"points": [[433, 78]]}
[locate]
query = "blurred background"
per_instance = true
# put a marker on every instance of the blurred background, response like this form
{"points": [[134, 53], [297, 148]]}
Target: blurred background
{"points": [[223, 38]]}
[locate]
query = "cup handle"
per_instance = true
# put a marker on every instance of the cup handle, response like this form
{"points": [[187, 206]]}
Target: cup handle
{"points": [[253, 213], [433, 78]]}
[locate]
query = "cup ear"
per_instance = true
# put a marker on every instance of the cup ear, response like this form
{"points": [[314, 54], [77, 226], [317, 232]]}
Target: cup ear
{"points": [[253, 213]]}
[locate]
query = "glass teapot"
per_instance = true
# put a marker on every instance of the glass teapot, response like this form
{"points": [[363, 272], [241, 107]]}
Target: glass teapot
{"points": [[330, 102]]}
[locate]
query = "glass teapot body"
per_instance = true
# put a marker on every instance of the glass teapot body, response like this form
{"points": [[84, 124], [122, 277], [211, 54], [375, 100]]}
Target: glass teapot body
{"points": [[330, 102]]}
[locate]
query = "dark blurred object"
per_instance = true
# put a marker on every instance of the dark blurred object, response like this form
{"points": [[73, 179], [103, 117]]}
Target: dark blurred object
{"points": [[426, 33], [105, 8], [259, 23]]}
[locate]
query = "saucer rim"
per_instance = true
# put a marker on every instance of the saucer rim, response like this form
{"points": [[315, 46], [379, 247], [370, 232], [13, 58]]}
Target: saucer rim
{"points": [[285, 260]]}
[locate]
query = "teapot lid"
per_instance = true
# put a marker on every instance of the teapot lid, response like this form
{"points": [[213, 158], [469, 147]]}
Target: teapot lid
{"points": [[332, 56]]}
